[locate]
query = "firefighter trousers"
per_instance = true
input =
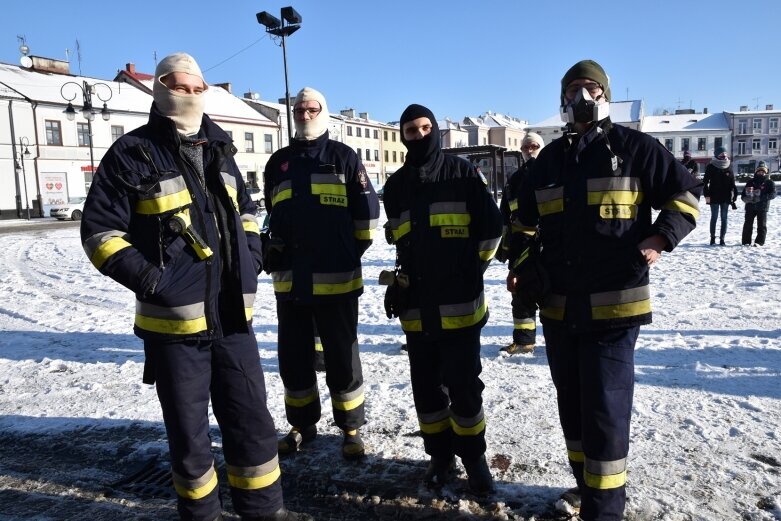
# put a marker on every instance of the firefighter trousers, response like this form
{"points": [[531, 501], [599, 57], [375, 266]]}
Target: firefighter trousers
{"points": [[524, 323], [593, 373], [187, 374], [446, 387], [337, 325]]}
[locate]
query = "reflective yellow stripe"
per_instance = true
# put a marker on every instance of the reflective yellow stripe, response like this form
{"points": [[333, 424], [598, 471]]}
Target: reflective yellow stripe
{"points": [[301, 402], [248, 313], [605, 482], [524, 255], [435, 427], [486, 255], [364, 235], [449, 219], [337, 288], [174, 327], [549, 207], [513, 205], [107, 249], [411, 325], [282, 286], [465, 320], [199, 492], [251, 227], [555, 313], [254, 483], [468, 431], [576, 455], [163, 204], [234, 196], [683, 207], [403, 229], [526, 324], [348, 405], [283, 195], [318, 345], [627, 309], [328, 188]]}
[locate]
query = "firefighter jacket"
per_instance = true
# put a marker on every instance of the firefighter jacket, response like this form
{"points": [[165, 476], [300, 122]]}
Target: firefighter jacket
{"points": [[591, 203], [323, 214], [187, 246], [509, 205], [446, 230]]}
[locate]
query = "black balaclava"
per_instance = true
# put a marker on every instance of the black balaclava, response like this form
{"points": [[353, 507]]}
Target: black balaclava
{"points": [[422, 152]]}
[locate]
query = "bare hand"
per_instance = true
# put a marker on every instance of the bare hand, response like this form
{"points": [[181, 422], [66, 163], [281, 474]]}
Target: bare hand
{"points": [[652, 247], [512, 280]]}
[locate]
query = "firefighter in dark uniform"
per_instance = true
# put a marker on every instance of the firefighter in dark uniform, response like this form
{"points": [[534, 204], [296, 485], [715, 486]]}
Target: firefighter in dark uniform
{"points": [[168, 217], [590, 195], [446, 228], [524, 313], [323, 214]]}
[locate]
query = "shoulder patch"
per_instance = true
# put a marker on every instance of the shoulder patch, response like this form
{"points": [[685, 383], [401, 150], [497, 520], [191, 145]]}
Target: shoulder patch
{"points": [[363, 178]]}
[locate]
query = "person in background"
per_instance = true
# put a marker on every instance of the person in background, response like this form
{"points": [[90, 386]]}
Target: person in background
{"points": [[323, 212], [524, 313], [168, 216], [591, 195], [720, 192], [689, 163], [757, 195], [446, 228]]}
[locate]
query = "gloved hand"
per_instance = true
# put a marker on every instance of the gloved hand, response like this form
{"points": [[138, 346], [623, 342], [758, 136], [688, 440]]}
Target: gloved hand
{"points": [[734, 206], [532, 284], [395, 297], [271, 250]]}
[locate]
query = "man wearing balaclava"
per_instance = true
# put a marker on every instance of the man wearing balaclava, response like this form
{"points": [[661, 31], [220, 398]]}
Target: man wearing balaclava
{"points": [[586, 241], [524, 313], [446, 228], [757, 195], [169, 218], [323, 214]]}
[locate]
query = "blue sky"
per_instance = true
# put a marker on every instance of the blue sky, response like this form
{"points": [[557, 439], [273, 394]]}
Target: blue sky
{"points": [[458, 57]]}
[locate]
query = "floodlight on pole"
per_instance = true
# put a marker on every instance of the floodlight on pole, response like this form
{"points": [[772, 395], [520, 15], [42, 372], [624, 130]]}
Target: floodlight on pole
{"points": [[278, 27]]}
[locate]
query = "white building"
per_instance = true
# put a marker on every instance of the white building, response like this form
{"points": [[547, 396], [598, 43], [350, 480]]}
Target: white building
{"points": [[453, 134], [626, 113], [755, 138], [700, 134]]}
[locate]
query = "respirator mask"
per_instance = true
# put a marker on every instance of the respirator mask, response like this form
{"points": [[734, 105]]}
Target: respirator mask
{"points": [[584, 109]]}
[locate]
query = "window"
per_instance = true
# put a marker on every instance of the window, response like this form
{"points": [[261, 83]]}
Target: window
{"points": [[757, 127], [742, 126], [701, 143], [385, 135], [53, 133], [117, 131], [376, 155], [376, 134], [402, 156], [773, 125], [772, 144], [368, 154], [230, 133], [349, 130], [485, 141], [268, 143], [685, 143], [358, 132], [386, 156], [717, 142], [394, 156], [82, 131], [668, 144], [756, 146], [249, 142], [742, 147], [393, 135], [358, 151]]}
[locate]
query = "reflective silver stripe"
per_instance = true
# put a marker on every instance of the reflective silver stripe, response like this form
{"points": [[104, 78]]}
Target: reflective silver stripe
{"points": [[253, 472], [410, 314], [433, 417], [403, 218], [365, 224], [347, 397], [282, 276], [196, 483], [284, 185], [629, 184], [249, 300], [229, 180], [167, 187], [448, 207], [555, 301], [489, 244], [94, 242], [623, 296], [549, 194], [305, 393], [336, 278], [188, 312], [468, 422], [327, 179], [605, 468], [457, 310]]}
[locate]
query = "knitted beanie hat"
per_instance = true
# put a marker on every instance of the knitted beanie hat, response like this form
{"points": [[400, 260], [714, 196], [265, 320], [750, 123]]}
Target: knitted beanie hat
{"points": [[719, 151], [762, 166], [586, 69]]}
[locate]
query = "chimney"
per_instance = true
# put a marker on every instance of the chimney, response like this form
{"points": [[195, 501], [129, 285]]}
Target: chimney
{"points": [[130, 67], [705, 110], [50, 65], [769, 107], [744, 108], [226, 86], [364, 115], [349, 113], [252, 95]]}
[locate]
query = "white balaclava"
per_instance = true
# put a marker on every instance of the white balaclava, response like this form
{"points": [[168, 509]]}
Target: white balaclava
{"points": [[311, 128], [185, 110], [531, 137]]}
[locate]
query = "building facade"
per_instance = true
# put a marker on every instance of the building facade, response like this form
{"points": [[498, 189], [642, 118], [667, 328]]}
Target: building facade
{"points": [[755, 138], [699, 133]]}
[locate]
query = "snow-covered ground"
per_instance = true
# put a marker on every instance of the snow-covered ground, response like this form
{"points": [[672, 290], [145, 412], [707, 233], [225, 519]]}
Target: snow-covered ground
{"points": [[706, 430]]}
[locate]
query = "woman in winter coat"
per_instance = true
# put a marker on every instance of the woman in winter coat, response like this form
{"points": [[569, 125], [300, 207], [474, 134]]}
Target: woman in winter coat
{"points": [[720, 192]]}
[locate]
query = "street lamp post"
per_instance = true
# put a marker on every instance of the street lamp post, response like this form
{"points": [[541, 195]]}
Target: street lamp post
{"points": [[24, 150], [87, 110], [279, 28]]}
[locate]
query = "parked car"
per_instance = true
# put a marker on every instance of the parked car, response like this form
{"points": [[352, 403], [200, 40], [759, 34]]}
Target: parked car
{"points": [[71, 210], [256, 194]]}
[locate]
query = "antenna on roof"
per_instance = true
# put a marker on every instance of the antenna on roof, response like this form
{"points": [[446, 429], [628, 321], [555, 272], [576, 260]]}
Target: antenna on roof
{"points": [[68, 55], [154, 54], [78, 54]]}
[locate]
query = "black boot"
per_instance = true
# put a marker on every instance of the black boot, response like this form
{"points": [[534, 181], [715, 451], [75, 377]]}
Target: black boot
{"points": [[295, 438], [440, 471], [480, 481], [712, 240], [283, 514], [721, 242]]}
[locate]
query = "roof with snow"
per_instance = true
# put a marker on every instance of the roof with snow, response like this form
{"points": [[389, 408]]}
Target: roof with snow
{"points": [[620, 112], [685, 122], [494, 120]]}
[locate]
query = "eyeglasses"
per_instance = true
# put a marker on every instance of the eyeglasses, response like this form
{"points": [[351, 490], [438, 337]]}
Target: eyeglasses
{"points": [[311, 111], [530, 146], [593, 88]]}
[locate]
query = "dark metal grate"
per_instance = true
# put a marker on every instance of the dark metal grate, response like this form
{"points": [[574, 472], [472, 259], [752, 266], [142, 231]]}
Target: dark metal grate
{"points": [[151, 479]]}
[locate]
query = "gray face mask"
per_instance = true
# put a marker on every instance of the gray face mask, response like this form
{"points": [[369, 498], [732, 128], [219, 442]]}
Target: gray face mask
{"points": [[584, 109], [185, 110]]}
